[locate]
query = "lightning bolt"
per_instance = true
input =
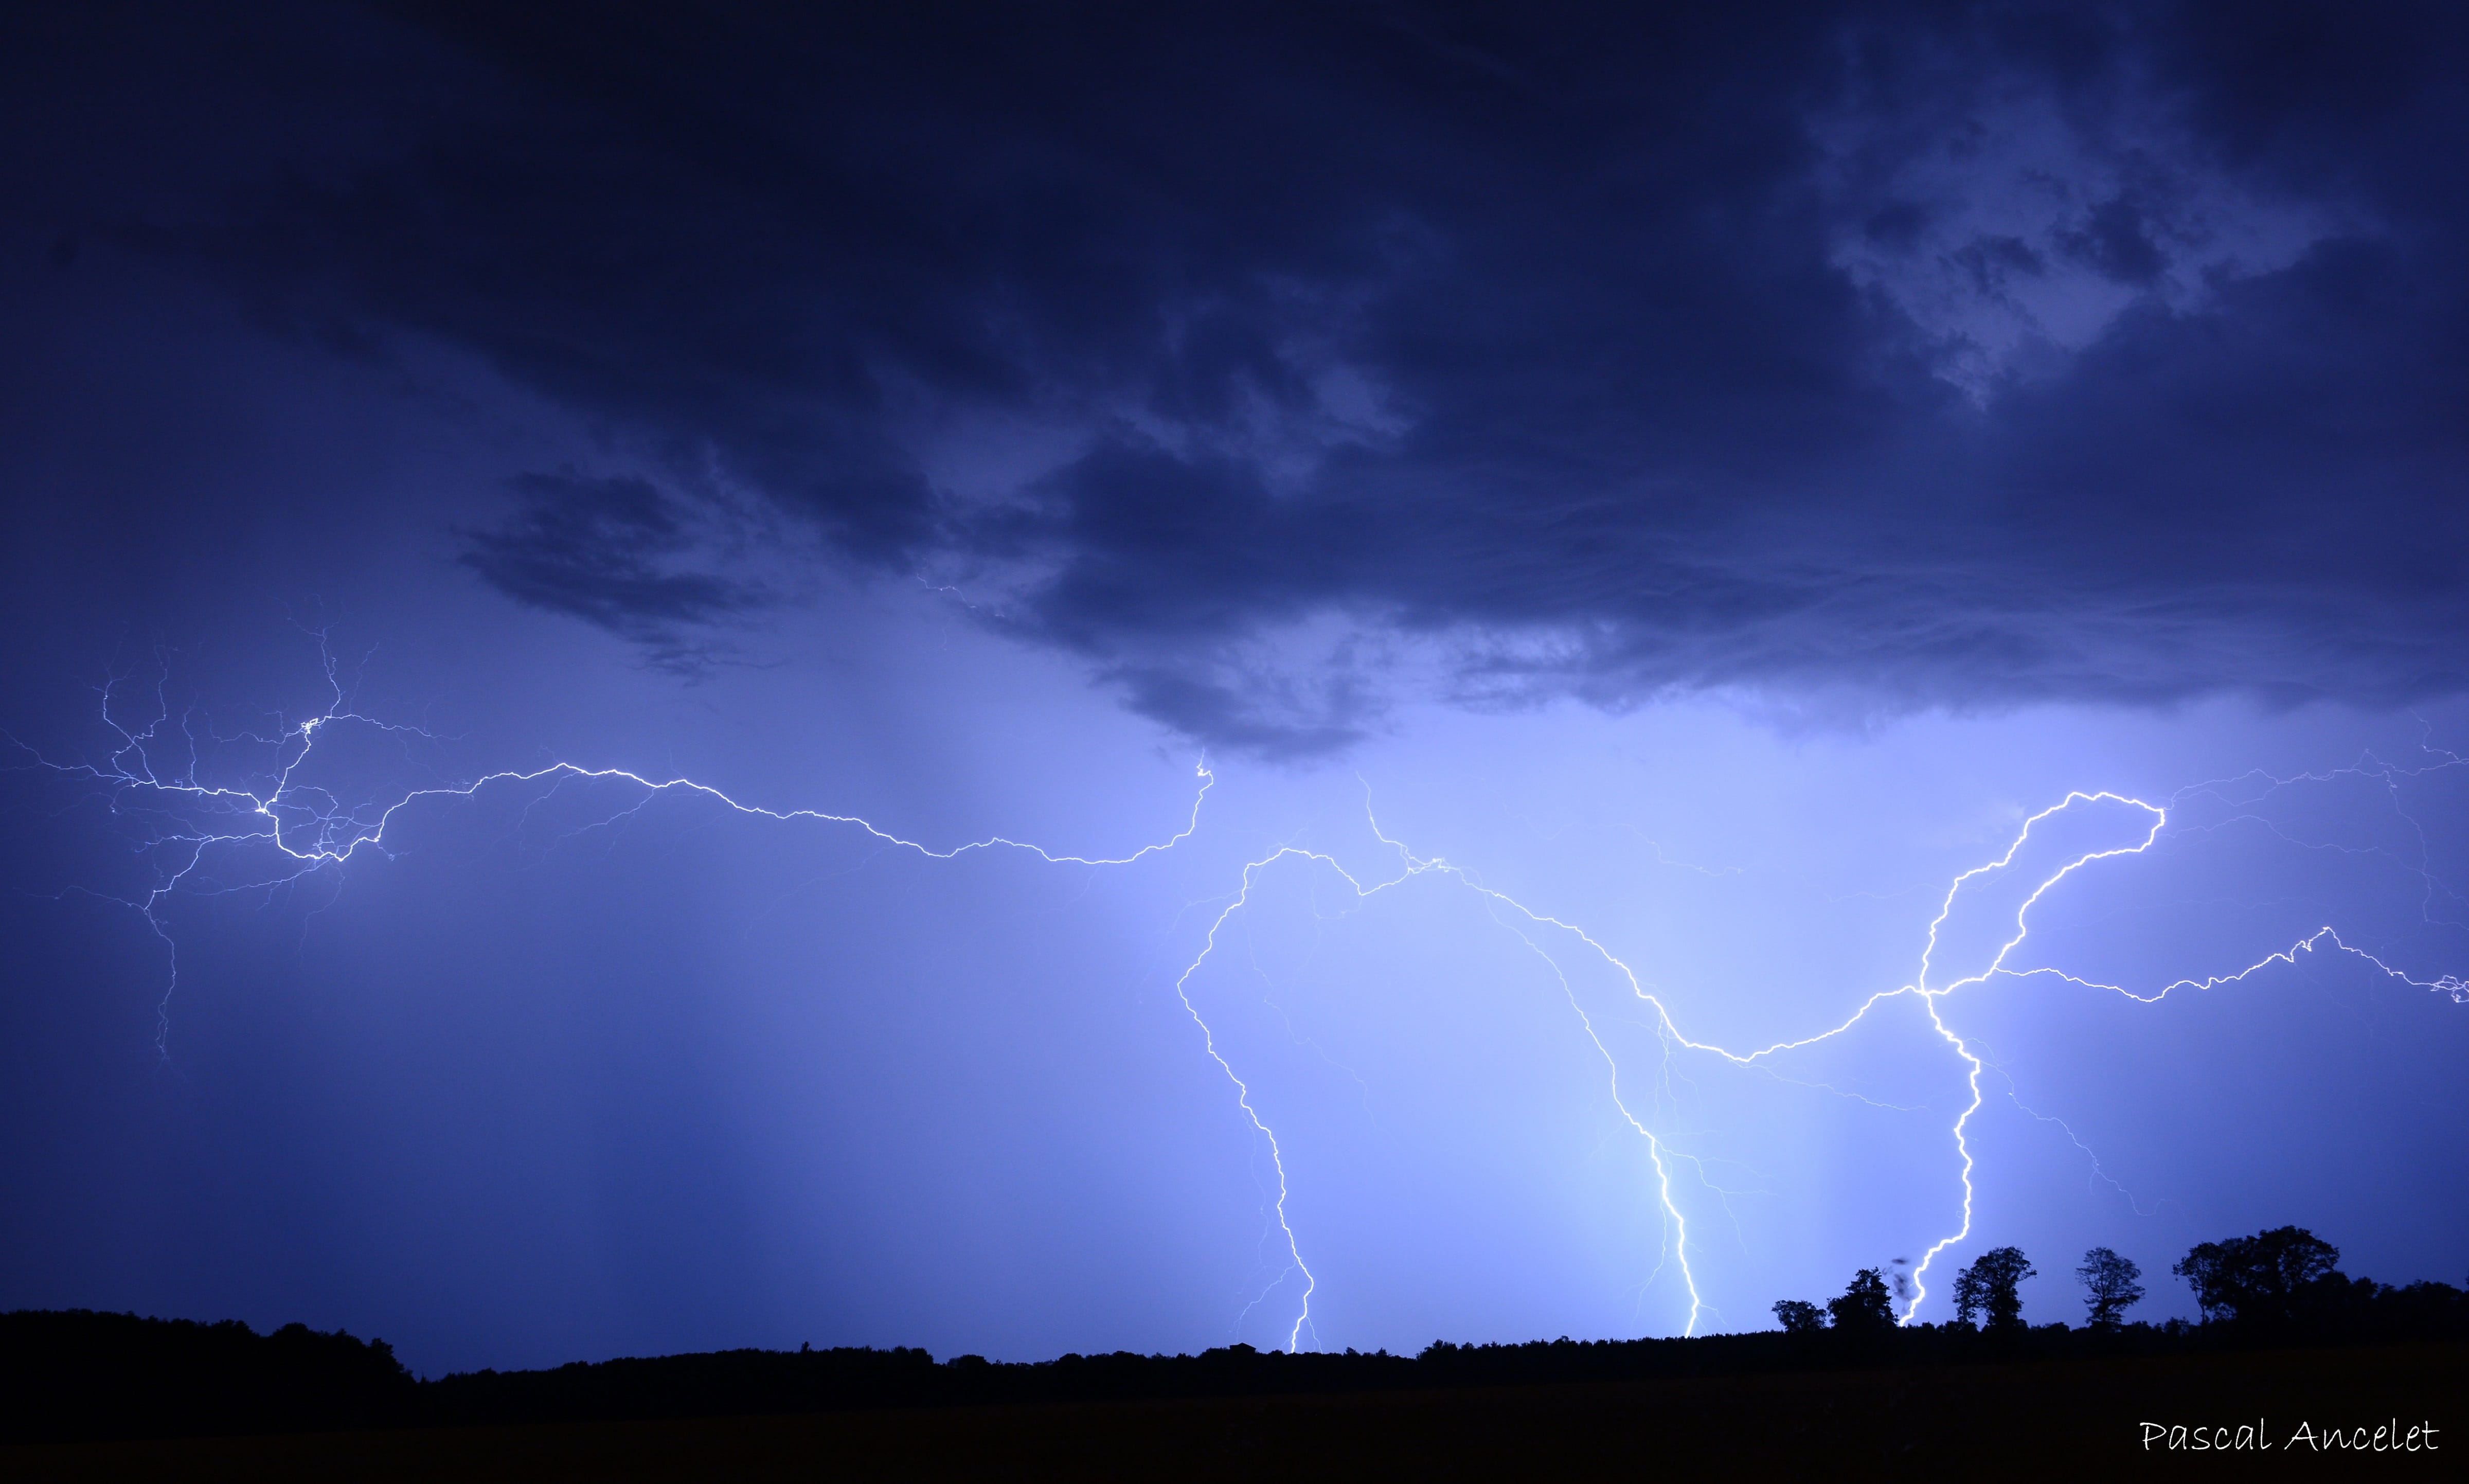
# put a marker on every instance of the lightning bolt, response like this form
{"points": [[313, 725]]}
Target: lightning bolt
{"points": [[1240, 899], [312, 830], [1932, 995], [152, 772]]}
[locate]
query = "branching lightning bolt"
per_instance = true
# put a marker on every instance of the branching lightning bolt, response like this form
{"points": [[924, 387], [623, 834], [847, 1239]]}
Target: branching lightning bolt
{"points": [[309, 830], [1931, 996], [312, 830]]}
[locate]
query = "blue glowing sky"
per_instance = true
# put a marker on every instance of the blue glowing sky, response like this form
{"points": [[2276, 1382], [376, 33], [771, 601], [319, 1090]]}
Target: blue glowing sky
{"points": [[1704, 489]]}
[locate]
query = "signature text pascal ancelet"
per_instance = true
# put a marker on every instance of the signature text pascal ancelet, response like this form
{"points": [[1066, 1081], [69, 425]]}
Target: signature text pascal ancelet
{"points": [[2256, 1436]]}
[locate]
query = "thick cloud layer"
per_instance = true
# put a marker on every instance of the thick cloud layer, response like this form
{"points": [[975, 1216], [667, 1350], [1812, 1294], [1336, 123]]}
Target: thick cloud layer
{"points": [[1959, 355]]}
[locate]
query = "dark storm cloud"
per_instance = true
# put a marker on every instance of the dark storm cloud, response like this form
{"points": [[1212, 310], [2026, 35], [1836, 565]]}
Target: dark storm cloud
{"points": [[596, 550], [1941, 354]]}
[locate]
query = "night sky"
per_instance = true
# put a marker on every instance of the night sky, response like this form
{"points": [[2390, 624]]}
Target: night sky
{"points": [[1573, 534]]}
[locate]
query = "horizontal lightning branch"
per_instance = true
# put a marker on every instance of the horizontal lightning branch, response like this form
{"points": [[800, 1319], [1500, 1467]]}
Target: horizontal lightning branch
{"points": [[309, 829], [153, 773]]}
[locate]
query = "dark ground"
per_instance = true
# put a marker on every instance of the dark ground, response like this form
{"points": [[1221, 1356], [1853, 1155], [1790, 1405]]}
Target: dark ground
{"points": [[2066, 1417]]}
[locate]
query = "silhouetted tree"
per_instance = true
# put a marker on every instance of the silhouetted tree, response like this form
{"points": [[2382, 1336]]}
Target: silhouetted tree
{"points": [[1863, 1307], [1968, 1298], [2111, 1283], [1799, 1316], [2257, 1279], [1991, 1282]]}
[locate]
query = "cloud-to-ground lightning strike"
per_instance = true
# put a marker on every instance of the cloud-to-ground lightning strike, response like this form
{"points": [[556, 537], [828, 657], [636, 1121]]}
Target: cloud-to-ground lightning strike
{"points": [[310, 829], [1670, 1037], [1183, 990]]}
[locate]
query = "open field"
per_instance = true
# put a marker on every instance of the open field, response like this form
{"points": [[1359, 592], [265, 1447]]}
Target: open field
{"points": [[2034, 1419]]}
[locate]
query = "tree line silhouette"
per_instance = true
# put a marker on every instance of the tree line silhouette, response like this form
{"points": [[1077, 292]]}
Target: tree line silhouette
{"points": [[76, 1374], [2280, 1284]]}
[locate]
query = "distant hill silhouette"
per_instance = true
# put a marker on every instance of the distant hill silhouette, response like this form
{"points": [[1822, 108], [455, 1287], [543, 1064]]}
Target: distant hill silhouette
{"points": [[80, 1374], [77, 1374]]}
